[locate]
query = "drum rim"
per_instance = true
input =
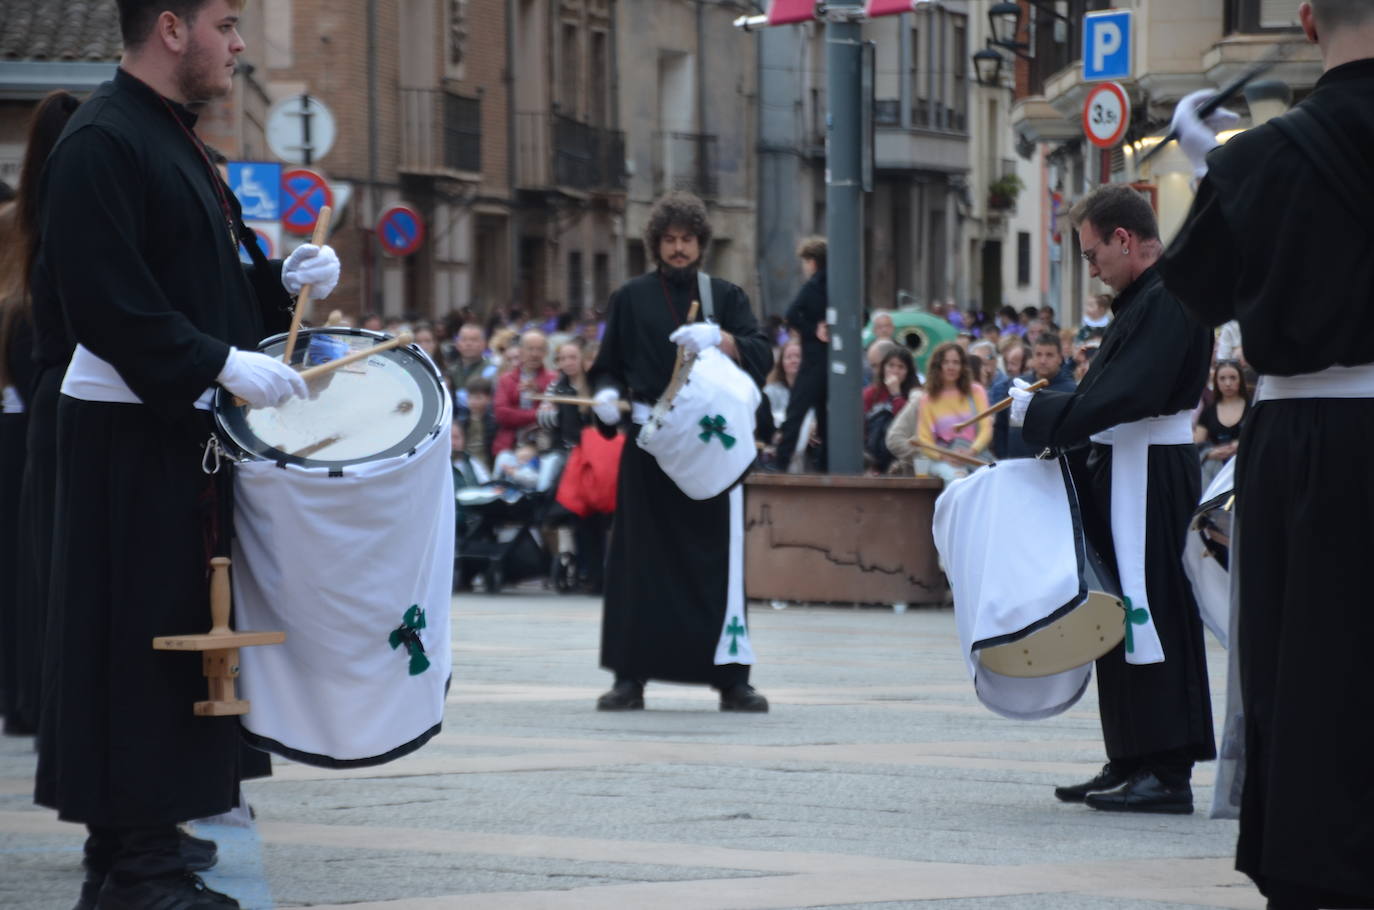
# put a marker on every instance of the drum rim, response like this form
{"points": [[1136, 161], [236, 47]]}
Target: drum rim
{"points": [[224, 407]]}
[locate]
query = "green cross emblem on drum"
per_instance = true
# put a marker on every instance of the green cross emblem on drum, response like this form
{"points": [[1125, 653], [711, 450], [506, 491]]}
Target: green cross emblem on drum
{"points": [[715, 426]]}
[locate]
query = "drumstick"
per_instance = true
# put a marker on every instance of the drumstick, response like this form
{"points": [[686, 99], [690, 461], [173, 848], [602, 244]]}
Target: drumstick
{"points": [[303, 299], [951, 454], [682, 351], [569, 399], [1001, 405], [361, 354], [316, 446]]}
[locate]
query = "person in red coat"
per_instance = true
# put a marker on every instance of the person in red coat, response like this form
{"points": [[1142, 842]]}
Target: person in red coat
{"points": [[515, 409]]}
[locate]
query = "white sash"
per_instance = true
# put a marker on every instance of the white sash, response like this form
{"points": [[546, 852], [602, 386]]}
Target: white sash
{"points": [[90, 378], [1332, 382], [1130, 444]]}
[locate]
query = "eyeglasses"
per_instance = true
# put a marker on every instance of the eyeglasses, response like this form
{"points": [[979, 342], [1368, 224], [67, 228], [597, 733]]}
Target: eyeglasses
{"points": [[1090, 254]]}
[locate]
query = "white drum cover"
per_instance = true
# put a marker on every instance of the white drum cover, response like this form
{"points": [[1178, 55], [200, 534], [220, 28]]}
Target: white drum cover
{"points": [[356, 564], [704, 440], [1013, 552], [1211, 581]]}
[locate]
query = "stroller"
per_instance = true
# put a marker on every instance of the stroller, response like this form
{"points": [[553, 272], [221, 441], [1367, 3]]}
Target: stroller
{"points": [[498, 534]]}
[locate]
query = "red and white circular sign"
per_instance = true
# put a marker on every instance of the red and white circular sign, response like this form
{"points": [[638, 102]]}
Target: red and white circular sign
{"points": [[1106, 114]]}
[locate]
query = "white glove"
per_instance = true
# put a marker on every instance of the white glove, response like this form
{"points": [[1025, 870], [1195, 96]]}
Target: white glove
{"points": [[1020, 401], [1197, 137], [697, 336], [262, 381], [607, 406], [317, 266]]}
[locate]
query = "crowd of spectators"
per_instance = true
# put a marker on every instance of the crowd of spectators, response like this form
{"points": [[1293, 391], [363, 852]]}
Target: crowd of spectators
{"points": [[908, 418], [497, 368]]}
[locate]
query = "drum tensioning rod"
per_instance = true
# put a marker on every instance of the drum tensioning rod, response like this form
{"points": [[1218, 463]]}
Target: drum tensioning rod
{"points": [[325, 369], [303, 299], [1001, 405]]}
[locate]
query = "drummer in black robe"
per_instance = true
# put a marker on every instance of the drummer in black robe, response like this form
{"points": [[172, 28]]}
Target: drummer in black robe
{"points": [[1133, 404], [1280, 238], [140, 243], [669, 572]]}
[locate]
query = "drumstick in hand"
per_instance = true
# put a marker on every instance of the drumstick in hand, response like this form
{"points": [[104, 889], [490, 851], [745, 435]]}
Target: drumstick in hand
{"points": [[1001, 405], [303, 299], [325, 369]]}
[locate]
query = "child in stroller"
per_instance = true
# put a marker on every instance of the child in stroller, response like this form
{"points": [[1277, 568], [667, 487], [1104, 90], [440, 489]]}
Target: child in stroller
{"points": [[499, 519]]}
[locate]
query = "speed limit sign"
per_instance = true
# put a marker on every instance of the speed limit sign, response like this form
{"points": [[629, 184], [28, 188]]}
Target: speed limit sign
{"points": [[1106, 114]]}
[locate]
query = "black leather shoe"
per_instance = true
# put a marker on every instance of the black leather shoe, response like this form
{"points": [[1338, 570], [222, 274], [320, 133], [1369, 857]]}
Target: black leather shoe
{"points": [[1109, 778], [1144, 792], [181, 892], [625, 695], [200, 854], [742, 697]]}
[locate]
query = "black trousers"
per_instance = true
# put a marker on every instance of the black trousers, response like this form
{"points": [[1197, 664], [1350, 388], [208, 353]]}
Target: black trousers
{"points": [[725, 677], [131, 855], [808, 392]]}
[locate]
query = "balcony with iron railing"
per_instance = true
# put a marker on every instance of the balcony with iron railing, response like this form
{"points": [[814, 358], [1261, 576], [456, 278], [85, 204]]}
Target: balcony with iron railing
{"points": [[685, 161], [556, 151], [441, 134]]}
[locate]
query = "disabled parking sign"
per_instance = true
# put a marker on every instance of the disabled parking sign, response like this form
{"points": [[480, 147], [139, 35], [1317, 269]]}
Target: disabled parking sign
{"points": [[257, 184]]}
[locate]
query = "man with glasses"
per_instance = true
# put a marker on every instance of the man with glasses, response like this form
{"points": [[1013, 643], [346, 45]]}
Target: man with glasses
{"points": [[1138, 482], [1302, 289]]}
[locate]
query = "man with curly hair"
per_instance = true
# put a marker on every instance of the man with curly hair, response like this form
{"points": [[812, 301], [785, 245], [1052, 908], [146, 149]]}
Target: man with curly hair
{"points": [[672, 572]]}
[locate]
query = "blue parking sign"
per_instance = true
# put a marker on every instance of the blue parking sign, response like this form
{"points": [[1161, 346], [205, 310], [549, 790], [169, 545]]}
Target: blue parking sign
{"points": [[1107, 45], [258, 186]]}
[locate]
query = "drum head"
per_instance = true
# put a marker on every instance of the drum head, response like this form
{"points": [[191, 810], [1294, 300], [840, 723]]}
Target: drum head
{"points": [[1080, 636], [367, 411]]}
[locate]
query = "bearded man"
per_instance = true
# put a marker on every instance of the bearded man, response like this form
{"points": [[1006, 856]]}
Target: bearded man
{"points": [[140, 240], [674, 575]]}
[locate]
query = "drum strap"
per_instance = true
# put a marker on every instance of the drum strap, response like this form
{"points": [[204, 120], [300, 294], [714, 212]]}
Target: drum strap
{"points": [[708, 307]]}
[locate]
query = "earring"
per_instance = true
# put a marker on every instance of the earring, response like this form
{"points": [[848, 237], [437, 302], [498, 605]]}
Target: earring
{"points": [[1125, 252]]}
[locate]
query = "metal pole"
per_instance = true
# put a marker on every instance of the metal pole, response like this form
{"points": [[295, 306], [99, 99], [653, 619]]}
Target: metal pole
{"points": [[844, 237]]}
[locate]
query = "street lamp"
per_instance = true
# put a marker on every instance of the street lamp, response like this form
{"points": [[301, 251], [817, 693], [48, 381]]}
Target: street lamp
{"points": [[987, 66], [1004, 18]]}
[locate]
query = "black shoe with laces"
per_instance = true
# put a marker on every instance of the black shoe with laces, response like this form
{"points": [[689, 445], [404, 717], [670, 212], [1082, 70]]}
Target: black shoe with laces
{"points": [[625, 695], [1145, 792], [742, 697], [178, 892], [1109, 778], [200, 854]]}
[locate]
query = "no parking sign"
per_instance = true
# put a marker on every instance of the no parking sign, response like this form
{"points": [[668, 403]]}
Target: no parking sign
{"points": [[401, 230], [303, 194]]}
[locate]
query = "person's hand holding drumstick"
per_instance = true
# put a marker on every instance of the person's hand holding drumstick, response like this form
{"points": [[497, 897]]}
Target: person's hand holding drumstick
{"points": [[1021, 394]]}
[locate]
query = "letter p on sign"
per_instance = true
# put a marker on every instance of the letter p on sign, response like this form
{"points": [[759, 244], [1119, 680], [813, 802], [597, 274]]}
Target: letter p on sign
{"points": [[1107, 45]]}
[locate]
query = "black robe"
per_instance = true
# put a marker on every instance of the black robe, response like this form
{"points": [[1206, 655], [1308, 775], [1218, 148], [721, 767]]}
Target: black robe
{"points": [[1153, 361], [18, 690], [137, 241], [805, 314], [52, 350], [666, 574], [1272, 244]]}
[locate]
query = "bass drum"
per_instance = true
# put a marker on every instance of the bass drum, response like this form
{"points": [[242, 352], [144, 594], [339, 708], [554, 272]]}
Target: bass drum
{"points": [[1034, 605], [344, 538]]}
